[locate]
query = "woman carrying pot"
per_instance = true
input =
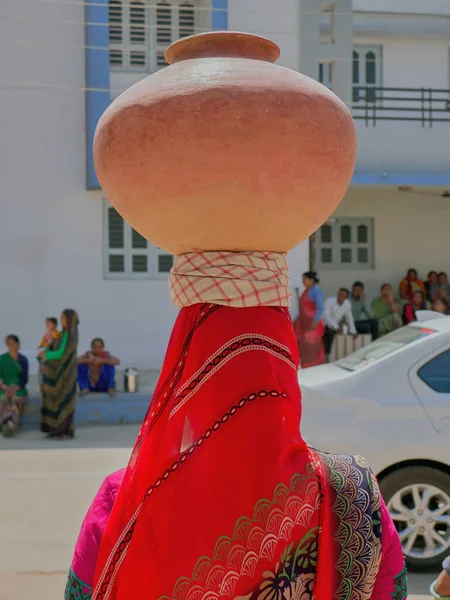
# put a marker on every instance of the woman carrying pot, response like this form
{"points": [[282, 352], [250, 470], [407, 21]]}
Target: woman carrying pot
{"points": [[222, 497]]}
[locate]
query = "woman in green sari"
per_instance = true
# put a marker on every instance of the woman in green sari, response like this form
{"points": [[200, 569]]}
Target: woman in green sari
{"points": [[13, 381], [59, 385]]}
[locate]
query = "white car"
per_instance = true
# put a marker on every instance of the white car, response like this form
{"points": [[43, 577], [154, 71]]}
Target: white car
{"points": [[390, 402]]}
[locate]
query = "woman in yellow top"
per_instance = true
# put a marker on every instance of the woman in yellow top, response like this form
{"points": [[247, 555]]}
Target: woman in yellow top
{"points": [[59, 383], [410, 285]]}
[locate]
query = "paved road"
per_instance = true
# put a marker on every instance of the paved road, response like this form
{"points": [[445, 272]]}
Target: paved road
{"points": [[46, 487]]}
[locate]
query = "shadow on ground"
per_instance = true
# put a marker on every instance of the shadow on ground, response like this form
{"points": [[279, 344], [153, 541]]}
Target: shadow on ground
{"points": [[85, 437]]}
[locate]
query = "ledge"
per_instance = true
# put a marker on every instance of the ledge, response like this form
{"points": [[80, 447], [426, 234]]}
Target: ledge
{"points": [[96, 409], [99, 409]]}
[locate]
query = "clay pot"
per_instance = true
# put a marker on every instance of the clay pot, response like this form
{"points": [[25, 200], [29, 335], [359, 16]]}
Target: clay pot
{"points": [[224, 150]]}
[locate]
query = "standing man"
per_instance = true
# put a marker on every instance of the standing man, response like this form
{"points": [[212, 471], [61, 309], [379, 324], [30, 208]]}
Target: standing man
{"points": [[337, 311], [364, 322]]}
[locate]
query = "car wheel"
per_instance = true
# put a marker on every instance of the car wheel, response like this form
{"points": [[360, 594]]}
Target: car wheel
{"points": [[418, 500]]}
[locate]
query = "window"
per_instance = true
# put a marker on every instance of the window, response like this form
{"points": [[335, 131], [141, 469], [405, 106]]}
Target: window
{"points": [[128, 255], [326, 74], [383, 347], [345, 243], [436, 373], [128, 35], [140, 31], [366, 73]]}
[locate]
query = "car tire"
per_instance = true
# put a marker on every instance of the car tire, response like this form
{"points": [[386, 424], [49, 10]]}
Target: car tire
{"points": [[396, 481]]}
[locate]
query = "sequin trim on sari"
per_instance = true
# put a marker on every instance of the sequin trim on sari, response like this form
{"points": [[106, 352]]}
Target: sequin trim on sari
{"points": [[77, 589], [401, 586]]}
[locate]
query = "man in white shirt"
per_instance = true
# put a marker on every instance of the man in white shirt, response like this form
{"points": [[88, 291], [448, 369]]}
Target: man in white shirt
{"points": [[337, 312]]}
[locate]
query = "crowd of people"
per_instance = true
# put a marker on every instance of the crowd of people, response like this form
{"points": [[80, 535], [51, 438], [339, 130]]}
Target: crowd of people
{"points": [[320, 319], [60, 370], [318, 322]]}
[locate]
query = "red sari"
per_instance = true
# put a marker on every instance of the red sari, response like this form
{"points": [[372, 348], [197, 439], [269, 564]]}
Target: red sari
{"points": [[222, 498], [309, 338]]}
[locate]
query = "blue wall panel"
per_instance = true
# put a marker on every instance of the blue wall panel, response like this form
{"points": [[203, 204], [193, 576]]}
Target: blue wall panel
{"points": [[402, 179], [220, 14], [97, 77]]}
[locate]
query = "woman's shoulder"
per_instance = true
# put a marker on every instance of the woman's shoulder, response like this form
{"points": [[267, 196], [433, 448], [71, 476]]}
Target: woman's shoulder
{"points": [[354, 468], [23, 359], [113, 482], [316, 290], [86, 550], [100, 509]]}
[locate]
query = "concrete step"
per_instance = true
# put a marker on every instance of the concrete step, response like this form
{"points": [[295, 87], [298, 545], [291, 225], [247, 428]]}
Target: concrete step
{"points": [[147, 382], [99, 409]]}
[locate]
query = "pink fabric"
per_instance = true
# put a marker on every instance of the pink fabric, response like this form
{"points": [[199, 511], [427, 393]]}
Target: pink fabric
{"points": [[86, 550], [392, 561]]}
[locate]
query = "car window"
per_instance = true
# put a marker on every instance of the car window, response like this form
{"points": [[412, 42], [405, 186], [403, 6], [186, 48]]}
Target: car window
{"points": [[436, 373], [383, 347]]}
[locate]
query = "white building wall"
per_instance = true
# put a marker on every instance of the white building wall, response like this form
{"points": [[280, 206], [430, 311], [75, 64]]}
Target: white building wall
{"points": [[413, 7], [415, 54], [411, 230], [51, 245], [277, 20], [406, 63], [396, 146]]}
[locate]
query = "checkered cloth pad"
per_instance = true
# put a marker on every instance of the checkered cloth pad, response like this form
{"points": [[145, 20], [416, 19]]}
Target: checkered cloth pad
{"points": [[239, 279]]}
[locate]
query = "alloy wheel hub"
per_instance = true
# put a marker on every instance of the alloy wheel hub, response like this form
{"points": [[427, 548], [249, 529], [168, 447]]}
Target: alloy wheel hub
{"points": [[421, 513]]}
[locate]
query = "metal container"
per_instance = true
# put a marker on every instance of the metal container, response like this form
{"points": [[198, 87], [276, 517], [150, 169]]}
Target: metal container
{"points": [[131, 381]]}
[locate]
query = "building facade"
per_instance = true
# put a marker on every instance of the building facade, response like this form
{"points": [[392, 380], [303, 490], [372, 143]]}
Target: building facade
{"points": [[63, 61], [396, 213]]}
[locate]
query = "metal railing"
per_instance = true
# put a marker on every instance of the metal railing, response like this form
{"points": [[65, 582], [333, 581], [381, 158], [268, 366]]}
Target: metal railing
{"points": [[424, 105]]}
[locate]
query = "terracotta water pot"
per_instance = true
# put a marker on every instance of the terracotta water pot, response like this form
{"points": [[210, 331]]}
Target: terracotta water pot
{"points": [[224, 150]]}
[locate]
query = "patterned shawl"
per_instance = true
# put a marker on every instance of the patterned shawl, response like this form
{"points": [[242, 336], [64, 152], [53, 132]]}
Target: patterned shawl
{"points": [[222, 498]]}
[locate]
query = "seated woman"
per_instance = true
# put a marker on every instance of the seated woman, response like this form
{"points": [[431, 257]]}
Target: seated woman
{"points": [[411, 284], [432, 279], [391, 314], [96, 370], [420, 302], [440, 305], [13, 381], [441, 289]]}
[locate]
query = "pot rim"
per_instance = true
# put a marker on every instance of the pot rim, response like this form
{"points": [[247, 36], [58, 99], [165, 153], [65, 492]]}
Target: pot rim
{"points": [[223, 44]]}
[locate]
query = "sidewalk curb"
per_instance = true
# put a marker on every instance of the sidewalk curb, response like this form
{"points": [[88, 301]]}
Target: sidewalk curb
{"points": [[96, 409]]}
